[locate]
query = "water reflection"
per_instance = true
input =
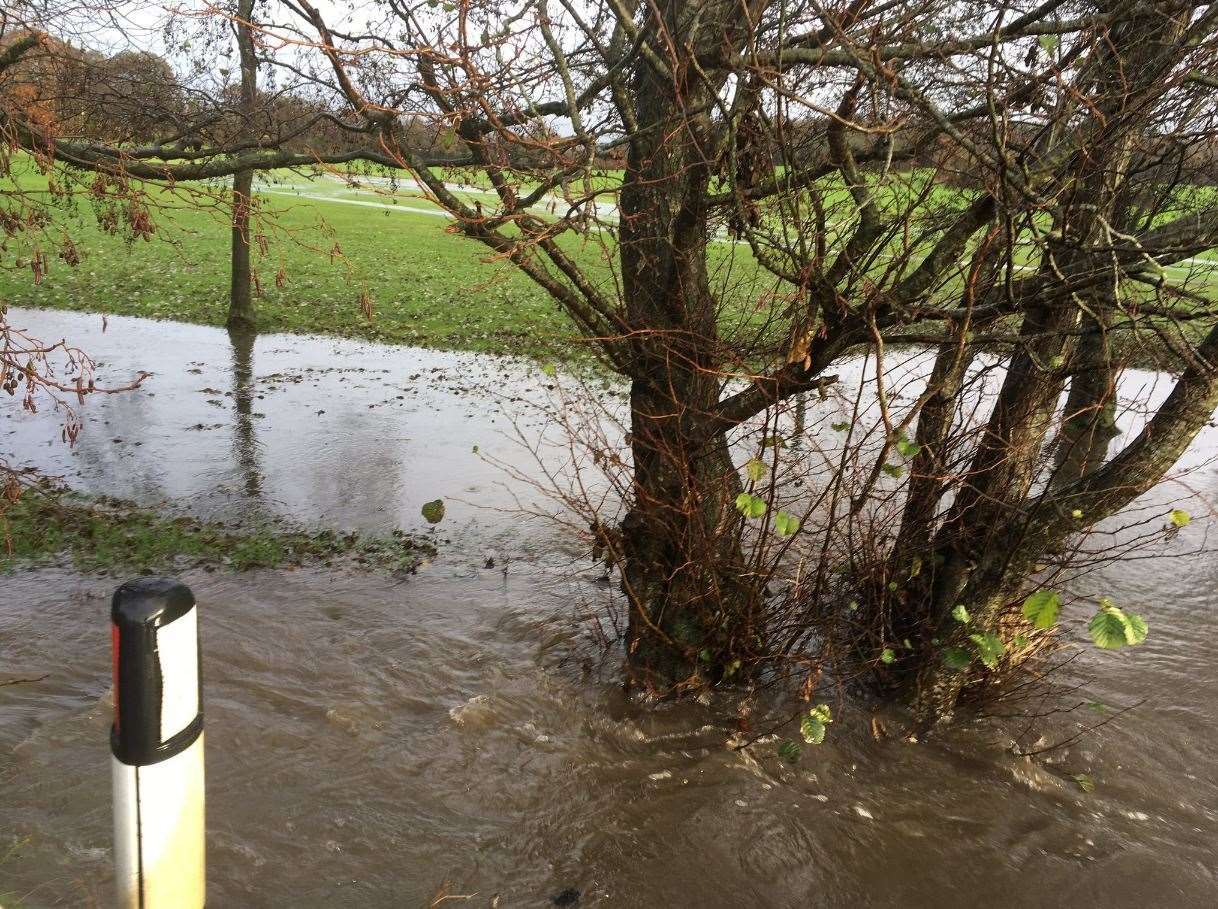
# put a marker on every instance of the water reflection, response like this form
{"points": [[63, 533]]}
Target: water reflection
{"points": [[245, 441]]}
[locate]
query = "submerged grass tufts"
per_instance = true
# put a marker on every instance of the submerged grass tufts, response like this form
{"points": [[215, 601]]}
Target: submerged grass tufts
{"points": [[47, 525]]}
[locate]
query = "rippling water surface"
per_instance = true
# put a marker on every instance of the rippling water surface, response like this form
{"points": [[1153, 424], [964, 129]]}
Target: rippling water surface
{"points": [[374, 739]]}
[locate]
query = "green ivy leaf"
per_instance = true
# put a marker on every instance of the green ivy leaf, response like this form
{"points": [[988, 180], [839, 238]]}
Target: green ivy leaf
{"points": [[887, 656], [1180, 517], [750, 505], [755, 469], [989, 648], [1041, 608], [893, 470], [789, 751], [433, 512], [785, 524], [956, 658], [960, 614]]}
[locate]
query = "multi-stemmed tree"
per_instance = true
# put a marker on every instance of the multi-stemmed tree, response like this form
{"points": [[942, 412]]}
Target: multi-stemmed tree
{"points": [[1020, 188]]}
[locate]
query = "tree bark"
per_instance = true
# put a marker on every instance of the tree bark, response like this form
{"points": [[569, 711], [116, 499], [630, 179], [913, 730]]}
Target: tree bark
{"points": [[1089, 422], [241, 313], [689, 607]]}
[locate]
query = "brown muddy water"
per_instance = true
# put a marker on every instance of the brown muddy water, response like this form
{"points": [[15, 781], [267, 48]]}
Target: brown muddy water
{"points": [[372, 739]]}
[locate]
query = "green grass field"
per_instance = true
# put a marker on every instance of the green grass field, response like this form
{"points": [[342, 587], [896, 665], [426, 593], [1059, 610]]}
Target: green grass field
{"points": [[328, 243]]}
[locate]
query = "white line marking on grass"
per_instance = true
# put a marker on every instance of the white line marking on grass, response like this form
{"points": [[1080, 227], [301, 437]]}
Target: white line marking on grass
{"points": [[410, 209]]}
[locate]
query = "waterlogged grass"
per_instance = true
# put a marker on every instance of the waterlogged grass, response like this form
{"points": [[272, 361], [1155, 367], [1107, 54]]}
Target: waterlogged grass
{"points": [[109, 535]]}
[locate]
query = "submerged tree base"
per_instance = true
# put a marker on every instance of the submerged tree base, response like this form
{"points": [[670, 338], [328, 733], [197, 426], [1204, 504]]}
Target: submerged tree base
{"points": [[106, 534]]}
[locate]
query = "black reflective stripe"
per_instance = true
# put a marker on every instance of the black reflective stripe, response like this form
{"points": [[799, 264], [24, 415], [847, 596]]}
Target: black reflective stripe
{"points": [[139, 838], [162, 751], [138, 609]]}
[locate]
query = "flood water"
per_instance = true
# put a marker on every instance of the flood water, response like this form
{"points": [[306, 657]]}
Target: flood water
{"points": [[377, 740]]}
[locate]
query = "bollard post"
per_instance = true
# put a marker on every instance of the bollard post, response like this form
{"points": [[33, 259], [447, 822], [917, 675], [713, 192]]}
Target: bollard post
{"points": [[156, 744]]}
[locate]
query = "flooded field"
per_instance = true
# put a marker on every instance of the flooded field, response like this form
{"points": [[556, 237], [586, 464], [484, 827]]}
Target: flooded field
{"points": [[377, 740]]}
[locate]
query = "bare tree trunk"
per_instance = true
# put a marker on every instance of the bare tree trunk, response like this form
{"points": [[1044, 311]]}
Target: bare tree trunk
{"points": [[689, 606], [241, 314], [988, 544], [1089, 423]]}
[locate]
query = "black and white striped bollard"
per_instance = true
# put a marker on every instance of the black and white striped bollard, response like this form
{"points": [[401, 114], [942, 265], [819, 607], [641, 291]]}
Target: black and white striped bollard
{"points": [[156, 744]]}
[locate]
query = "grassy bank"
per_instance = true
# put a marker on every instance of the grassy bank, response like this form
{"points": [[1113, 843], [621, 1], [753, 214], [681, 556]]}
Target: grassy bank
{"points": [[325, 247], [46, 526]]}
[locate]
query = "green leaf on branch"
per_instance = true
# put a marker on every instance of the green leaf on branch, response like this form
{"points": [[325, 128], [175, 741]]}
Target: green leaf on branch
{"points": [[1107, 630], [822, 713], [907, 448], [956, 658], [786, 524], [887, 656], [814, 726], [839, 427], [773, 442], [755, 469], [893, 470], [433, 511], [1136, 629], [789, 751], [960, 614], [1113, 628], [1180, 518], [812, 730], [750, 506], [989, 648], [1041, 608]]}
